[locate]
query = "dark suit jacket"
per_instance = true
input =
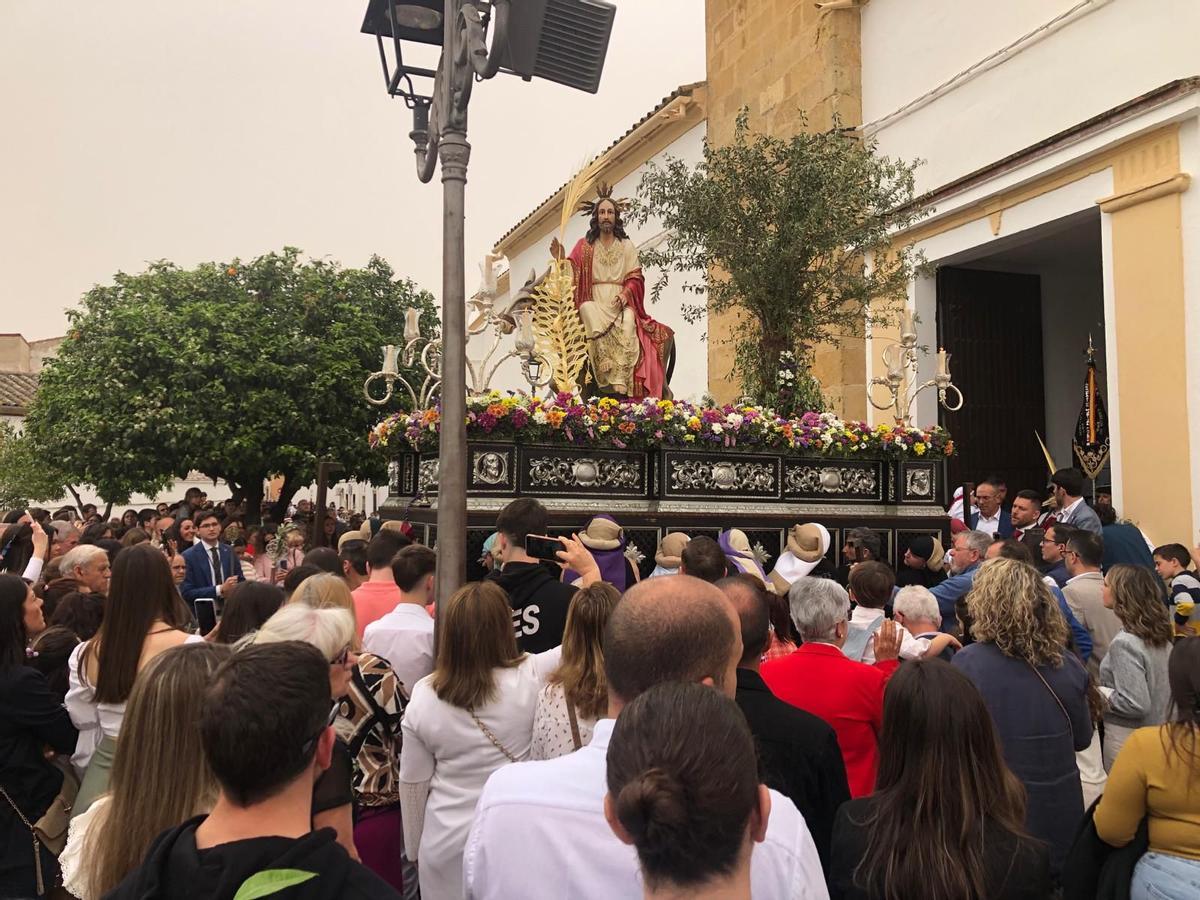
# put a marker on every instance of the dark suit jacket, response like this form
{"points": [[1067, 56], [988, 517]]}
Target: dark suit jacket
{"points": [[1004, 530], [198, 579], [799, 754]]}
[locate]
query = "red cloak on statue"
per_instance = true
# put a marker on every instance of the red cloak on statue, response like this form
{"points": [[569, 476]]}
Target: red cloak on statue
{"points": [[654, 338]]}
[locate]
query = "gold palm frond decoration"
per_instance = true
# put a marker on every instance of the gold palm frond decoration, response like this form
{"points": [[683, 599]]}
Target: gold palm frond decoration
{"points": [[579, 185], [558, 332]]}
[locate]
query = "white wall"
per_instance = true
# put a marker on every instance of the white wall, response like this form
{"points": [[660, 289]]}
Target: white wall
{"points": [[1110, 52], [691, 366]]}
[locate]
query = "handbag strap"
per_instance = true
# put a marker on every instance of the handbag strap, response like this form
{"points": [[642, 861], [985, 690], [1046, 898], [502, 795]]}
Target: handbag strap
{"points": [[575, 738], [37, 844], [1042, 679], [487, 732]]}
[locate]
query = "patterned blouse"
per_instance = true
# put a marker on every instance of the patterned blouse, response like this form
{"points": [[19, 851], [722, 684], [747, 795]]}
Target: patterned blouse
{"points": [[369, 722], [777, 648], [552, 726]]}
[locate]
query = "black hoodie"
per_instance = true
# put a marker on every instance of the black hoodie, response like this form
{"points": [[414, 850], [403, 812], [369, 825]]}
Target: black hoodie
{"points": [[539, 603], [175, 870]]}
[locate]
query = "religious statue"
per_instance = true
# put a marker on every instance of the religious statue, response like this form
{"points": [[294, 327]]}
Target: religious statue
{"points": [[629, 352]]}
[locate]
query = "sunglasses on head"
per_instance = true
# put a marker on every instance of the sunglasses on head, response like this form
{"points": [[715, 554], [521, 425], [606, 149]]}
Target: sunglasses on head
{"points": [[308, 746]]}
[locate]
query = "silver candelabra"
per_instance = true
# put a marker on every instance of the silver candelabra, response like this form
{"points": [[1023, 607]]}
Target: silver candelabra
{"points": [[902, 364]]}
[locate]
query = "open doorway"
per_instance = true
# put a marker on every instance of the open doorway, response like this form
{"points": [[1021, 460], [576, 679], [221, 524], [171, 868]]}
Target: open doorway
{"points": [[1016, 316]]}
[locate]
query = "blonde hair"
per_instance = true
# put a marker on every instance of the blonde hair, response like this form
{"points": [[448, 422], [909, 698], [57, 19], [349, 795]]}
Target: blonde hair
{"points": [[326, 591], [581, 669], [1011, 607], [159, 776], [1138, 603], [329, 630], [476, 639]]}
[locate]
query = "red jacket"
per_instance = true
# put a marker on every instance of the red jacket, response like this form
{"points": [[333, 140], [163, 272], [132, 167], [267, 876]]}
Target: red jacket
{"points": [[819, 679]]}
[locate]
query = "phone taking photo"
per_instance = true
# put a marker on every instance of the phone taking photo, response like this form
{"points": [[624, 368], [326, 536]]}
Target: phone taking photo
{"points": [[206, 614], [541, 546]]}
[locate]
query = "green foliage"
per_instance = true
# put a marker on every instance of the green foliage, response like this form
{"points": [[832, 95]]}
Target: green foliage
{"points": [[238, 371], [780, 231], [25, 475], [271, 881]]}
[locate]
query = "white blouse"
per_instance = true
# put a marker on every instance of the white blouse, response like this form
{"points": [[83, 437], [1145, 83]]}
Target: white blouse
{"points": [[552, 725], [93, 720], [445, 747], [71, 859]]}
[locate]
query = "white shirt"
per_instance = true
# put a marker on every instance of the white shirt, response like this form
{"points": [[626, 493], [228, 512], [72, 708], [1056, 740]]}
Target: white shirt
{"points": [[75, 872], [93, 720], [444, 746], [404, 637], [552, 735], [988, 524], [539, 834], [910, 647]]}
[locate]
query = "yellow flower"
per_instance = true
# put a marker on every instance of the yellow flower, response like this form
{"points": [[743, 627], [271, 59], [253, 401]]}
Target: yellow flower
{"points": [[919, 448], [689, 438], [694, 423]]}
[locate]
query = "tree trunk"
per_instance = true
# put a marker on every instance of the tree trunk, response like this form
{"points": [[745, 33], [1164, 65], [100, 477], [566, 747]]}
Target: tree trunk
{"points": [[107, 511], [78, 499], [251, 493], [286, 493]]}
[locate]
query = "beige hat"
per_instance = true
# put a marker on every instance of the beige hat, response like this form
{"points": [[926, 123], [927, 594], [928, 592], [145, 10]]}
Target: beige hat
{"points": [[602, 533], [670, 550], [362, 534], [804, 542], [937, 557]]}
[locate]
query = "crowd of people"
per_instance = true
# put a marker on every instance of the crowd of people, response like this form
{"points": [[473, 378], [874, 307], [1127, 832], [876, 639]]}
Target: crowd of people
{"points": [[191, 706]]}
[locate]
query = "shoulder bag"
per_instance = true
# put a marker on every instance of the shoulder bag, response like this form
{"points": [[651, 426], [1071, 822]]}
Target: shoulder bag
{"points": [[50, 831]]}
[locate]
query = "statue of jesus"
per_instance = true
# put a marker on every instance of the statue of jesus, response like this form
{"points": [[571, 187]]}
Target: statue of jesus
{"points": [[627, 349]]}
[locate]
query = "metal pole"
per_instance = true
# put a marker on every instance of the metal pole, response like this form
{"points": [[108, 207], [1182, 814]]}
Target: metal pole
{"points": [[454, 153]]}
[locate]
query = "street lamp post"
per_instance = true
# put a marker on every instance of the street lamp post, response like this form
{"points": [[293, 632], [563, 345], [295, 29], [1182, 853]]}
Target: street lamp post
{"points": [[559, 40]]}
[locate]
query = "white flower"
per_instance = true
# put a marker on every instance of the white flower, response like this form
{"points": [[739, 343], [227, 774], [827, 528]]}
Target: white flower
{"points": [[735, 420], [717, 427], [539, 418]]}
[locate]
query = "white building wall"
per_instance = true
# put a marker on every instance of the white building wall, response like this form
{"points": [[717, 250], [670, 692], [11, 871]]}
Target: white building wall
{"points": [[1102, 55], [690, 379]]}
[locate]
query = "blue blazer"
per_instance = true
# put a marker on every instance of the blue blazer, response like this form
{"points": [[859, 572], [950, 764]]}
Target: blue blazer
{"points": [[1003, 531], [198, 579]]}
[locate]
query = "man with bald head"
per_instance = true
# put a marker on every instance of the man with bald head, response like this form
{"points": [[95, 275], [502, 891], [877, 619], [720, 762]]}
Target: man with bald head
{"points": [[799, 752], [539, 831]]}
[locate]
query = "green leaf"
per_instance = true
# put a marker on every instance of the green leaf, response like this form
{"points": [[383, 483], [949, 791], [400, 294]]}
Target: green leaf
{"points": [[271, 881]]}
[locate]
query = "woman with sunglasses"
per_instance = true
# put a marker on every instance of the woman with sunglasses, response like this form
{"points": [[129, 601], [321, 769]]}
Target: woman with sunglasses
{"points": [[332, 632], [371, 710]]}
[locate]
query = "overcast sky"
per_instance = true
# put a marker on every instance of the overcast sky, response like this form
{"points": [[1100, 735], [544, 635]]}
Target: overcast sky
{"points": [[137, 130]]}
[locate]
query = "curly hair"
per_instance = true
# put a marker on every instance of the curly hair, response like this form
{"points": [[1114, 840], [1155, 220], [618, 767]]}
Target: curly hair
{"points": [[1011, 607], [1138, 602]]}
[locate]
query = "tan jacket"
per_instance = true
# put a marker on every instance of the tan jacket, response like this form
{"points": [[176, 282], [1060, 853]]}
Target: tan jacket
{"points": [[1084, 595]]}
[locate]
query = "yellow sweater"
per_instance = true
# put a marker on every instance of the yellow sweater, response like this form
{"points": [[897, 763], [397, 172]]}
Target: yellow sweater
{"points": [[1146, 781]]}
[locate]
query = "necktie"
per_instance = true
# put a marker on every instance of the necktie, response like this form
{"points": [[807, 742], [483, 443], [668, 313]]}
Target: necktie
{"points": [[1017, 532], [218, 575]]}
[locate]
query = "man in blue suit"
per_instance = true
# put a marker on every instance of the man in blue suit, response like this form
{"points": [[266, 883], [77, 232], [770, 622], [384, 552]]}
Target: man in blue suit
{"points": [[212, 570], [990, 515]]}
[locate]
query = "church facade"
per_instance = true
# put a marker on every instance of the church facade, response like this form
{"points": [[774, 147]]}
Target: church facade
{"points": [[1059, 141]]}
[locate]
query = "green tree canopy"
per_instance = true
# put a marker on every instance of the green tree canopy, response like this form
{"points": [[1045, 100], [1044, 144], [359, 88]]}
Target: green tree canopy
{"points": [[238, 371], [782, 231]]}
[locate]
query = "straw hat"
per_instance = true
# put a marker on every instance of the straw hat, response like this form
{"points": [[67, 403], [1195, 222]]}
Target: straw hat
{"points": [[804, 542], [361, 534], [602, 533], [929, 549], [670, 550]]}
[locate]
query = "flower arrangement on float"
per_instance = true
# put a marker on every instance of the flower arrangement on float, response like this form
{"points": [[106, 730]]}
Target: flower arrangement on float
{"points": [[606, 423]]}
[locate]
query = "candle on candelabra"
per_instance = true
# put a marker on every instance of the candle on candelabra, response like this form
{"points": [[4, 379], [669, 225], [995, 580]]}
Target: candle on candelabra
{"points": [[412, 324], [893, 364], [906, 324], [943, 362]]}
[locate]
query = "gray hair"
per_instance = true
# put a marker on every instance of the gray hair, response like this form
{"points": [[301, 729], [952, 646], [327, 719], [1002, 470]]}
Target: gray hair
{"points": [[979, 541], [818, 605], [329, 630], [916, 602], [78, 557]]}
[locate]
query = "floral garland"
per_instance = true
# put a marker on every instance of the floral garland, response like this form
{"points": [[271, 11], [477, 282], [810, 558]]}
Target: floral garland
{"points": [[650, 424]]}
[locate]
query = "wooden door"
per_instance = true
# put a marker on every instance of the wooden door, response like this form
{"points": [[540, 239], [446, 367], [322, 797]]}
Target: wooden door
{"points": [[991, 324]]}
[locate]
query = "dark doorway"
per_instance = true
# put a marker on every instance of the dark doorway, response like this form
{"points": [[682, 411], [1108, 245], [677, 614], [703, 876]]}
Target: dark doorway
{"points": [[991, 324]]}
